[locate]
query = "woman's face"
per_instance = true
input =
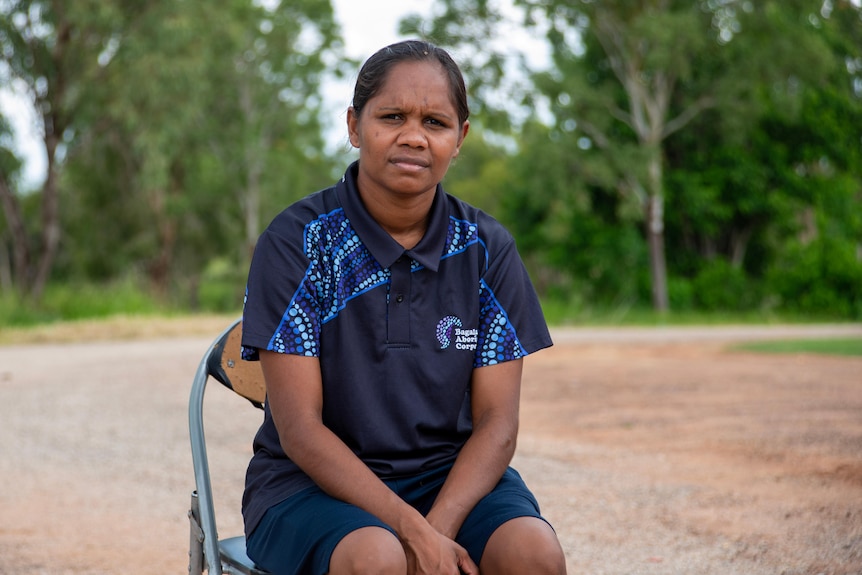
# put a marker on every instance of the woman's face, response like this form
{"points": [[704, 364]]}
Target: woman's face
{"points": [[408, 133]]}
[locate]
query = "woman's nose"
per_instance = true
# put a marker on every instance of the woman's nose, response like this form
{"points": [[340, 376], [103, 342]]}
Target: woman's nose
{"points": [[413, 135]]}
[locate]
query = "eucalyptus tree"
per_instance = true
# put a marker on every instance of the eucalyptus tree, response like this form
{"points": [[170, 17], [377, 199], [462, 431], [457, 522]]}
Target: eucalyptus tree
{"points": [[626, 75], [760, 192], [50, 50], [654, 66], [206, 109], [265, 128], [163, 125], [10, 165]]}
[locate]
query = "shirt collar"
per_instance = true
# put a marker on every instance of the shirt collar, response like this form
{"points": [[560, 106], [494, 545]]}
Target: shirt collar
{"points": [[386, 250]]}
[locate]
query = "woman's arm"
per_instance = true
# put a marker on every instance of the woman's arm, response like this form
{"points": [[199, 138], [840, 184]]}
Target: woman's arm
{"points": [[295, 396], [495, 397]]}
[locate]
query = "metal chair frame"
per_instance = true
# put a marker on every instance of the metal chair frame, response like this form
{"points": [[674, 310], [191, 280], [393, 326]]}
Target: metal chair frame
{"points": [[206, 551]]}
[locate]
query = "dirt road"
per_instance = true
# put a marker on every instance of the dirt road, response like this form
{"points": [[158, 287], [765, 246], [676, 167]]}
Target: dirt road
{"points": [[652, 452]]}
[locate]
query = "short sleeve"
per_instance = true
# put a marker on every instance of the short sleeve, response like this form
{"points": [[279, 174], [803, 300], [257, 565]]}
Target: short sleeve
{"points": [[280, 312], [511, 322]]}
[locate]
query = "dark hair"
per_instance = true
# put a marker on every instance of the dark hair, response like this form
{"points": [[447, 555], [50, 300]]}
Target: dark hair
{"points": [[373, 73]]}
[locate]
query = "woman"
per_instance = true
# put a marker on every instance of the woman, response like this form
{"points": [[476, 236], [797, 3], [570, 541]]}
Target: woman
{"points": [[391, 321]]}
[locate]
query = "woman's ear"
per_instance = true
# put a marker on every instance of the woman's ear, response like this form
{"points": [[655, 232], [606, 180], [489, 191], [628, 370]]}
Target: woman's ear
{"points": [[353, 126], [465, 127]]}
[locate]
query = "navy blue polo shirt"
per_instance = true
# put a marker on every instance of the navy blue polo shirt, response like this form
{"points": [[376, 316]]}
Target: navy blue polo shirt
{"points": [[397, 332]]}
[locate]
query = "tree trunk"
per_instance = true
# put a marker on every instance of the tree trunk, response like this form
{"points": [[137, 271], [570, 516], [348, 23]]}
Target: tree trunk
{"points": [[50, 221], [655, 234], [739, 246], [255, 154], [658, 265], [30, 280], [6, 285], [251, 207], [20, 244], [159, 268]]}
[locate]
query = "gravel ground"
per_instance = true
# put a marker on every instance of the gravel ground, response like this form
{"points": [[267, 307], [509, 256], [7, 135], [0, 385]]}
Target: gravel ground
{"points": [[652, 451]]}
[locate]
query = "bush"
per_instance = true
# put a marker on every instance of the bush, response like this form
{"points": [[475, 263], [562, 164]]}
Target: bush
{"points": [[680, 294], [14, 311], [222, 287], [74, 301], [823, 277], [82, 301], [720, 286]]}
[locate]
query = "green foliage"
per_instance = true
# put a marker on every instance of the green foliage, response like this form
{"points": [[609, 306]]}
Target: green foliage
{"points": [[182, 133], [221, 287], [576, 236], [574, 311], [204, 125], [850, 347], [680, 293], [756, 115], [79, 300], [720, 286], [824, 276], [748, 200], [480, 178]]}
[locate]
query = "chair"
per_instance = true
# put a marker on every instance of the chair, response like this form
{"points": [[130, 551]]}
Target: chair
{"points": [[222, 362]]}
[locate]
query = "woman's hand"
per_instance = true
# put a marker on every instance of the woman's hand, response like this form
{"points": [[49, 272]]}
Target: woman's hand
{"points": [[435, 554]]}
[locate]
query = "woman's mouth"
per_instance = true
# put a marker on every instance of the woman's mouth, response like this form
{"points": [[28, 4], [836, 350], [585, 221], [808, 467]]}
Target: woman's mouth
{"points": [[409, 163]]}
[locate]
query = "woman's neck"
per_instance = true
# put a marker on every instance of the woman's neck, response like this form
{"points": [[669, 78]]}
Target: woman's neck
{"points": [[405, 219]]}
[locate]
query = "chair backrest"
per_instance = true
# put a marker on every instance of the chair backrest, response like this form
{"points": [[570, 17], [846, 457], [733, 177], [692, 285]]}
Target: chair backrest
{"points": [[226, 365], [222, 361]]}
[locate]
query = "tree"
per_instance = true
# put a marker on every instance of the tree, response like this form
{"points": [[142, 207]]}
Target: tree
{"points": [[10, 164], [657, 65], [270, 96], [187, 123], [628, 75], [761, 197], [645, 49], [51, 49], [191, 91]]}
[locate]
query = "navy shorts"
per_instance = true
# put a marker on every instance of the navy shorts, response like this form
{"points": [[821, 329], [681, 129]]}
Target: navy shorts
{"points": [[298, 536]]}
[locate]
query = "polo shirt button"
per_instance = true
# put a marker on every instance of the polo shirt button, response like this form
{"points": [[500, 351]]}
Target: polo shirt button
{"points": [[399, 298]]}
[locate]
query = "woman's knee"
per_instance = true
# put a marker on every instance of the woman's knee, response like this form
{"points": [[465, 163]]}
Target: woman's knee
{"points": [[523, 545], [367, 551]]}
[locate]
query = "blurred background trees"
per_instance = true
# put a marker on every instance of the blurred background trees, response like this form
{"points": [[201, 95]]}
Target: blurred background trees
{"points": [[675, 155]]}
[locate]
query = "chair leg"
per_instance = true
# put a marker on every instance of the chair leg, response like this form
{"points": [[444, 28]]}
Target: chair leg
{"points": [[196, 538]]}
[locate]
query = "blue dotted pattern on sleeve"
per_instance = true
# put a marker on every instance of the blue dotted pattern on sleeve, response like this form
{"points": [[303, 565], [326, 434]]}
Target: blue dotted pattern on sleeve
{"points": [[460, 235], [498, 341], [340, 268]]}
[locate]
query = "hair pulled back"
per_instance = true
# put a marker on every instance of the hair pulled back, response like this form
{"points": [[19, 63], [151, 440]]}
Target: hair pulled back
{"points": [[375, 70]]}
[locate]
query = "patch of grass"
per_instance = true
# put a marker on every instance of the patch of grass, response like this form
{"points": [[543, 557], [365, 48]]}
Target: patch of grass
{"points": [[79, 301], [573, 313], [842, 346], [118, 327]]}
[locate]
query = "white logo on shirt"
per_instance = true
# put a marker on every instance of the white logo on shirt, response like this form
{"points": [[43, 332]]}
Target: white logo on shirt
{"points": [[449, 331]]}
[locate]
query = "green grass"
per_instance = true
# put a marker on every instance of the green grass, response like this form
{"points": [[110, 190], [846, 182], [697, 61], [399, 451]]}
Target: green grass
{"points": [[129, 297], [70, 302], [78, 301], [842, 346], [561, 313]]}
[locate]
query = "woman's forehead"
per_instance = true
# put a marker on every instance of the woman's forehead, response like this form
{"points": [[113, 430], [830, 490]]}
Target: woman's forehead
{"points": [[424, 79]]}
